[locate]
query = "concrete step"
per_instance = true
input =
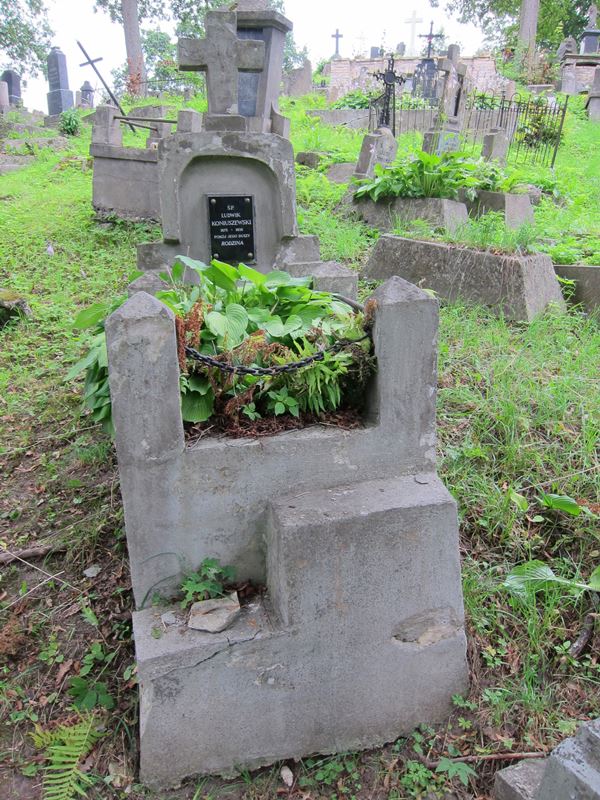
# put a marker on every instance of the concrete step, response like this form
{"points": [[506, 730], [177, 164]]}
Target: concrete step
{"points": [[6, 169], [54, 142]]}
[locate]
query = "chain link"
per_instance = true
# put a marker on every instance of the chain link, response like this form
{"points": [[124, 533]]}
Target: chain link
{"points": [[240, 369]]}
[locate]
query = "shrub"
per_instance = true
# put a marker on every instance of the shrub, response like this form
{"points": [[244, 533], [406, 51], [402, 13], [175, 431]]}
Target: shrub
{"points": [[69, 123]]}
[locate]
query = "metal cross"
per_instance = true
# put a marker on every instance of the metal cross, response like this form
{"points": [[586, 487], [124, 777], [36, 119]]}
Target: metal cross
{"points": [[337, 36], [413, 22], [430, 37], [222, 56], [91, 62], [387, 113]]}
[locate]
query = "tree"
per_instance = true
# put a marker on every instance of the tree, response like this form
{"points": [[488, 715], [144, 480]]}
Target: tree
{"points": [[499, 19], [138, 84], [25, 35]]}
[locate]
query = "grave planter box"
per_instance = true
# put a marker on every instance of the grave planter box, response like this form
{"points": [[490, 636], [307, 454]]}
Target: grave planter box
{"points": [[518, 286], [438, 212], [587, 283], [517, 208], [359, 636]]}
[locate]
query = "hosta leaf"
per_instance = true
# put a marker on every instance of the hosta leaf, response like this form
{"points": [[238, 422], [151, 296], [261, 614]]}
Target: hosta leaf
{"points": [[196, 407], [199, 383], [91, 316], [252, 275], [275, 326]]}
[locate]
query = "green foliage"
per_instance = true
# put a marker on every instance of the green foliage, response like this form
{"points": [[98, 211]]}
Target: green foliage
{"points": [[249, 319], [430, 175], [25, 35], [536, 576], [355, 99], [456, 769], [65, 748], [69, 123], [209, 581]]}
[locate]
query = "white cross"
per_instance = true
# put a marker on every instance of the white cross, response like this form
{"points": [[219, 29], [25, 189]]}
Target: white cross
{"points": [[413, 22]]}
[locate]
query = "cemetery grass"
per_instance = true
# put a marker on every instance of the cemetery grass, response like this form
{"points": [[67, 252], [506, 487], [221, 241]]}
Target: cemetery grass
{"points": [[518, 415]]}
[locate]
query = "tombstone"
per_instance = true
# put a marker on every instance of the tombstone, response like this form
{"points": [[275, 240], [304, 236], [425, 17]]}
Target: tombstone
{"points": [[152, 114], [593, 102], [299, 82], [495, 145], [591, 36], [4, 101], [379, 147], [401, 49], [358, 636], [376, 52], [87, 94], [572, 770], [13, 81], [568, 46], [227, 191], [445, 135], [60, 98]]}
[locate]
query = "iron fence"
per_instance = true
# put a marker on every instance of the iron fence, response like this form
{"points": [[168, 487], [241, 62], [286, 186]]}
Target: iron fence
{"points": [[533, 126]]}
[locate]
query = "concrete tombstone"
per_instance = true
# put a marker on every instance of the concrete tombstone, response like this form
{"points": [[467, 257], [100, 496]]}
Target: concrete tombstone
{"points": [[4, 101], [87, 94], [13, 81], [60, 98]]}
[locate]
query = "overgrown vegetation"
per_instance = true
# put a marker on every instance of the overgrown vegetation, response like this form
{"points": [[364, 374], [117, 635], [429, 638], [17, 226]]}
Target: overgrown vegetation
{"points": [[428, 175], [253, 325], [518, 411]]}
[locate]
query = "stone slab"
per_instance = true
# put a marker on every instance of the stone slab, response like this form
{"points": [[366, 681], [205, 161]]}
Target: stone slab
{"points": [[521, 781], [342, 172], [328, 276], [290, 678], [438, 212], [517, 208], [520, 287], [125, 182], [347, 117], [587, 283]]}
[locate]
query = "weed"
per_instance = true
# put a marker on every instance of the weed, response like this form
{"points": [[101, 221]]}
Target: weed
{"points": [[207, 582]]}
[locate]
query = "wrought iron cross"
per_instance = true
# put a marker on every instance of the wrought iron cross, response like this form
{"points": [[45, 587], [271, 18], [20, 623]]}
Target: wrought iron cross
{"points": [[222, 56], [337, 36], [430, 37], [387, 114]]}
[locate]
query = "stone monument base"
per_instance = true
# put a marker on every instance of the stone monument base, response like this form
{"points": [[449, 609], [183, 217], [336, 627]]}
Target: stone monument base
{"points": [[332, 658]]}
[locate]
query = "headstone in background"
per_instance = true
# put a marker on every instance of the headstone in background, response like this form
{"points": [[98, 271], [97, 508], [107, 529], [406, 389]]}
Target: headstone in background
{"points": [[13, 80], [4, 101], [495, 145], [60, 98], [401, 49], [153, 113], [379, 147], [298, 82], [593, 101], [87, 95], [591, 36], [258, 92], [568, 46], [376, 52], [445, 135]]}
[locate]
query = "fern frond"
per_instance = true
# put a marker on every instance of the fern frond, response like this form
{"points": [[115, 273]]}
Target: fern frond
{"points": [[66, 747]]}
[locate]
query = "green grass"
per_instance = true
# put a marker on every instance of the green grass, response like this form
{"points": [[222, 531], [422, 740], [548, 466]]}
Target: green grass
{"points": [[518, 412]]}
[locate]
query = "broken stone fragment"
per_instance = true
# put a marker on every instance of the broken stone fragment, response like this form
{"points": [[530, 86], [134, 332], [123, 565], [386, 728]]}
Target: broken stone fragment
{"points": [[214, 616], [12, 305]]}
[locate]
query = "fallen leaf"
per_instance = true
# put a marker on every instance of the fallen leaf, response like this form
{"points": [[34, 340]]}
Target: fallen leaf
{"points": [[62, 671]]}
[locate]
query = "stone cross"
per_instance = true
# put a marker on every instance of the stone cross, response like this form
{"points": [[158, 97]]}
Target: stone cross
{"points": [[453, 81], [413, 22], [221, 55], [337, 36]]}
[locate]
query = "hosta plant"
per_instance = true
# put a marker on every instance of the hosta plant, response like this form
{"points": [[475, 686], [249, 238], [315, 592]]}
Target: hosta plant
{"points": [[245, 319]]}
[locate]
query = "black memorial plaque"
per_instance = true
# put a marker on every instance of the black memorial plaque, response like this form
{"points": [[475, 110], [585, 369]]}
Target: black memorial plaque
{"points": [[231, 220]]}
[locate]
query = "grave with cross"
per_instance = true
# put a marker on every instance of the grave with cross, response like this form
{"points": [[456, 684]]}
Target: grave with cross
{"points": [[227, 179], [445, 134], [337, 36]]}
